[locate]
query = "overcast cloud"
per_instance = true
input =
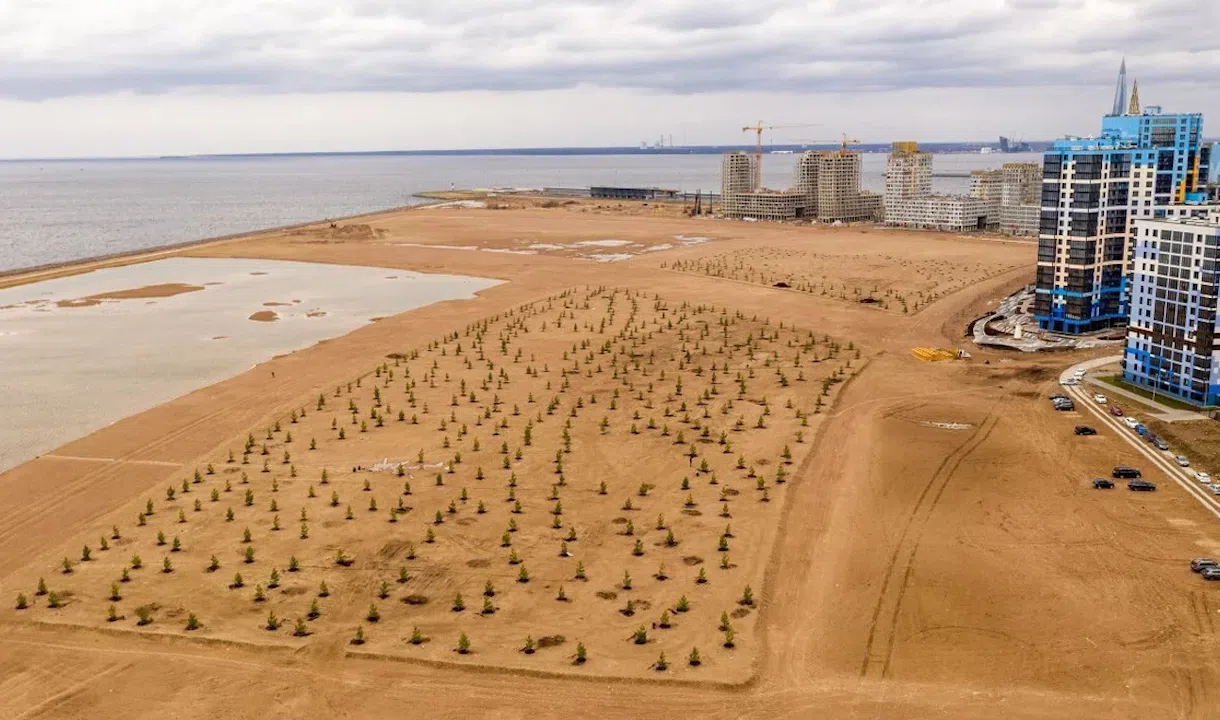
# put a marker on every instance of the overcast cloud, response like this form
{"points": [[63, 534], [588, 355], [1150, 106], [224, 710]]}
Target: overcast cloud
{"points": [[60, 53]]}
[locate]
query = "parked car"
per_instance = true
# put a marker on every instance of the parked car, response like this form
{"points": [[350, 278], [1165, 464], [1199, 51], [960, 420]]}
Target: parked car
{"points": [[1180, 459], [1100, 399], [1141, 485], [1203, 477], [1068, 406], [1085, 430], [1141, 429], [1199, 563], [1102, 484], [1160, 444], [1123, 472], [1057, 396], [1078, 374], [1069, 382], [1116, 411], [1210, 573], [1130, 422], [1214, 488]]}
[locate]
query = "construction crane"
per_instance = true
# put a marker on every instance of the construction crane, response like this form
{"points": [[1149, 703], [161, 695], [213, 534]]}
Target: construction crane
{"points": [[758, 131], [843, 142]]}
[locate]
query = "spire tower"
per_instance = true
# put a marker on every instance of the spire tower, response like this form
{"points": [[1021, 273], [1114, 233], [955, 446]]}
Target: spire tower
{"points": [[1134, 108], [1120, 91]]}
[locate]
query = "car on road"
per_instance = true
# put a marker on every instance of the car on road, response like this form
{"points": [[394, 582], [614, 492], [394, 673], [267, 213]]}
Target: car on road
{"points": [[1078, 374], [1102, 484], [1210, 573], [1116, 411], [1180, 459], [1123, 472], [1203, 477], [1130, 422], [1199, 563], [1085, 430], [1141, 485], [1100, 399]]}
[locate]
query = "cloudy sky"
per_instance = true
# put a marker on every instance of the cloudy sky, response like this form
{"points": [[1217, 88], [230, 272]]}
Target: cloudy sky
{"points": [[152, 77]]}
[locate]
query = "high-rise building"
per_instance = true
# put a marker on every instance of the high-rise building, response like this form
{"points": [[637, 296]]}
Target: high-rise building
{"points": [[1020, 197], [908, 173], [909, 201], [825, 185], [988, 186], [1172, 335], [737, 173], [1092, 191]]}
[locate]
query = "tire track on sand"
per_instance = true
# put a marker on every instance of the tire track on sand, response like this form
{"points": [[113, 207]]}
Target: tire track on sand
{"points": [[883, 626]]}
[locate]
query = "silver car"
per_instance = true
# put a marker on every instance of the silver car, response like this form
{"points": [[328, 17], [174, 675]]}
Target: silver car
{"points": [[1182, 461]]}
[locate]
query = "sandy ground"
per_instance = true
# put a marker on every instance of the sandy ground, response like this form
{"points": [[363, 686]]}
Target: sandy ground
{"points": [[936, 550]]}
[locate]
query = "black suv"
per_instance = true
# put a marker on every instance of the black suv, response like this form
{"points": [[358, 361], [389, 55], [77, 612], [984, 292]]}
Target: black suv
{"points": [[1102, 483], [1141, 485], [1122, 472], [1085, 430]]}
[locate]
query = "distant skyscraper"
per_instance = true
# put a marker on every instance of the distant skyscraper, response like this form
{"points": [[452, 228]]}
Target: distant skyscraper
{"points": [[1120, 91]]}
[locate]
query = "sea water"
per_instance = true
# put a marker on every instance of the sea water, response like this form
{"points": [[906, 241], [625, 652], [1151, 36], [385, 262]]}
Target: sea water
{"points": [[68, 371]]}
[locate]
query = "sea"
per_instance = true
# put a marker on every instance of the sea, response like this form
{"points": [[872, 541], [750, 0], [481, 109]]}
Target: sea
{"points": [[54, 211]]}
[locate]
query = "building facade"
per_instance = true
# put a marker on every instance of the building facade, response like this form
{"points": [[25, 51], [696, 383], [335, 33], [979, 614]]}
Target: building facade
{"points": [[1020, 198], [988, 187], [1093, 190], [947, 213], [736, 173], [1172, 344], [909, 201], [908, 174], [825, 185]]}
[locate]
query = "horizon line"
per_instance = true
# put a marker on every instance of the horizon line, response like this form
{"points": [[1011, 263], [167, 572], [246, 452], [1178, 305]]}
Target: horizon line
{"points": [[523, 151]]}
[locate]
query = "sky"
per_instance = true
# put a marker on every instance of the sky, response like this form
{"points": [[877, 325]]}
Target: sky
{"points": [[84, 78]]}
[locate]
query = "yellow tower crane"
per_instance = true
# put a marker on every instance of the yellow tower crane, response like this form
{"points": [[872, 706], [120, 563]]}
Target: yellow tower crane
{"points": [[758, 131]]}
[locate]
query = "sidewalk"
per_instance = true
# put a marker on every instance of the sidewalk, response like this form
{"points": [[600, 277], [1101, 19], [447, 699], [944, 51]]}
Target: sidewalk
{"points": [[1164, 413]]}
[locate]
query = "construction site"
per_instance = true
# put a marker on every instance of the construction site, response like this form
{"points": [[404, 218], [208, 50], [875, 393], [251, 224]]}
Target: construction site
{"points": [[825, 186], [1004, 199]]}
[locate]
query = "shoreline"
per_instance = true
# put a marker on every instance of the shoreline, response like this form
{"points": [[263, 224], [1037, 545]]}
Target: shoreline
{"points": [[15, 276]]}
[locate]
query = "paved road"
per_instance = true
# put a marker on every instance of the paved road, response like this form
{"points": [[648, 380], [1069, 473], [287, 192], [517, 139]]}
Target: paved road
{"points": [[1163, 412], [1162, 461]]}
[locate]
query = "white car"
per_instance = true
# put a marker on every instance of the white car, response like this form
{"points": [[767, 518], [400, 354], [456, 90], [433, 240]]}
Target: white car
{"points": [[1069, 381], [1130, 422], [1215, 489], [1203, 477], [1182, 461], [1078, 374], [1100, 399]]}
